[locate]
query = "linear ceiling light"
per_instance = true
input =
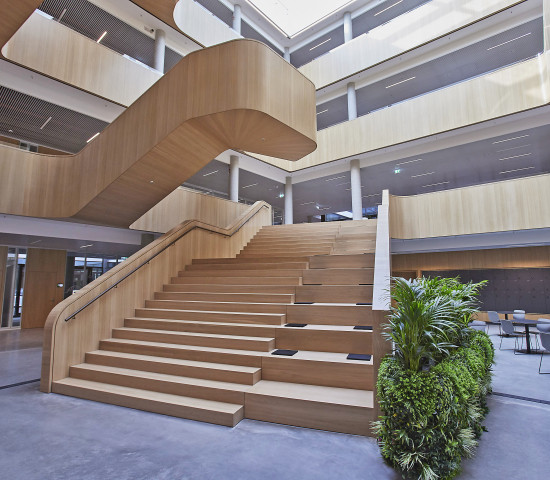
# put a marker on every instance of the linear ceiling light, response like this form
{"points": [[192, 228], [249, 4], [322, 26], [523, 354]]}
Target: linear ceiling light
{"points": [[335, 178], [91, 138], [45, 123], [319, 44], [513, 39], [307, 203], [516, 156], [102, 36], [206, 174], [322, 111], [422, 174], [516, 170], [408, 161], [371, 195], [513, 148], [387, 8], [399, 83], [89, 245], [251, 185], [509, 139], [434, 184], [62, 13]]}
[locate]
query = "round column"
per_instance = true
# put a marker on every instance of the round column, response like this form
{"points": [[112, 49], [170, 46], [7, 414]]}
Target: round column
{"points": [[352, 102], [234, 178], [348, 27], [160, 50], [237, 18], [356, 199], [289, 205], [287, 54]]}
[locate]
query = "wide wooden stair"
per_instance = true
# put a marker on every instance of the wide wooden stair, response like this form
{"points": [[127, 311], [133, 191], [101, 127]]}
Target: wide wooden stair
{"points": [[211, 345]]}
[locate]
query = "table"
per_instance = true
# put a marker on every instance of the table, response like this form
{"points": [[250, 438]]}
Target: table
{"points": [[527, 323]]}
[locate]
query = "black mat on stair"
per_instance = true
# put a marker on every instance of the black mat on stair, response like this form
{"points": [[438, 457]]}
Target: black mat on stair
{"points": [[295, 324], [286, 353], [364, 304], [358, 356], [303, 303], [362, 327]]}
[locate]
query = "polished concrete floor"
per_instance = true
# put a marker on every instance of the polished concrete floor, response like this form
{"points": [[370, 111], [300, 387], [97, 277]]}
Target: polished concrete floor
{"points": [[57, 437]]}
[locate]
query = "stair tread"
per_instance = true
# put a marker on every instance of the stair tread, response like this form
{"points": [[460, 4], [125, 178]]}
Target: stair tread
{"points": [[221, 303], [315, 393], [193, 334], [177, 361], [196, 403], [214, 312]]}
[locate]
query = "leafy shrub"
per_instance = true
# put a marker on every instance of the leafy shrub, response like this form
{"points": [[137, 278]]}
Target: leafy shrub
{"points": [[433, 418]]}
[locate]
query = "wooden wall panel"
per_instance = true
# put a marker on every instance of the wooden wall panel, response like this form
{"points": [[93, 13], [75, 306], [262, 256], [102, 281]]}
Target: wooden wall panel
{"points": [[71, 340], [436, 18], [238, 95], [513, 89], [518, 204], [84, 63], [44, 269], [184, 204]]}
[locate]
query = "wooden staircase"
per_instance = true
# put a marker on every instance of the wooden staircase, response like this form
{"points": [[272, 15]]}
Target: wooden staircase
{"points": [[202, 348]]}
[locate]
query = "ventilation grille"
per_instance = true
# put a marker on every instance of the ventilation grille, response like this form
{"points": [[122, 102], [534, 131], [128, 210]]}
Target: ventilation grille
{"points": [[24, 115], [90, 20]]}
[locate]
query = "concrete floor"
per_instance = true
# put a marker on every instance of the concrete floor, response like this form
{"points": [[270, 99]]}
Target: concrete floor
{"points": [[57, 437]]}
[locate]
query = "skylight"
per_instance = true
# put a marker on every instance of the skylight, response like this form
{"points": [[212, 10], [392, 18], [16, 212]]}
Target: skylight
{"points": [[293, 16]]}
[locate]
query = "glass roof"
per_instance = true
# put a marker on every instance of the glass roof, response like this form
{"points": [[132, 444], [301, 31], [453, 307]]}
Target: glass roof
{"points": [[293, 16]]}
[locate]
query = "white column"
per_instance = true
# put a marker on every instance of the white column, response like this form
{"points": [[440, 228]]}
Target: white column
{"points": [[356, 200], [237, 18], [352, 102], [160, 50], [234, 178], [287, 54], [348, 27], [289, 205]]}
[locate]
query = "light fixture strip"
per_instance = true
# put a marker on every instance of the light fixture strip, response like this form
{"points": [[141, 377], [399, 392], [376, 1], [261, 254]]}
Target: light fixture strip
{"points": [[62, 14], [91, 138], [85, 246], [512, 40], [251, 185], [516, 170], [422, 174], [319, 44], [434, 184], [45, 123], [335, 178], [371, 195], [102, 36], [322, 111], [513, 148], [387, 8], [408, 161], [211, 173], [516, 156], [510, 139], [399, 83], [307, 203]]}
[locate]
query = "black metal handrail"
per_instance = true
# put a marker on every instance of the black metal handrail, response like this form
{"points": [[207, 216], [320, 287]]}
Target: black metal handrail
{"points": [[146, 262]]}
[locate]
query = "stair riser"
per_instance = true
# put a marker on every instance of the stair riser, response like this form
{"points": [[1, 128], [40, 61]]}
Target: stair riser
{"points": [[182, 339], [183, 354], [338, 276], [207, 373], [343, 261], [282, 253], [303, 413], [213, 306], [221, 297], [224, 317], [334, 294], [330, 314], [229, 261], [284, 289], [148, 405], [354, 341], [237, 266], [241, 330], [162, 386], [241, 273], [328, 374], [236, 280]]}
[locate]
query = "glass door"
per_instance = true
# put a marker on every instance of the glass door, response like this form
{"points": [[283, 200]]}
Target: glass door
{"points": [[13, 287]]}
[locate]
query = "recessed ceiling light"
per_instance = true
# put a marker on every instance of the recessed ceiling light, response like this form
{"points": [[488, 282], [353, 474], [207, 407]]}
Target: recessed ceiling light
{"points": [[35, 242], [513, 148], [512, 40], [516, 170], [45, 123], [89, 245], [91, 138], [307, 203], [335, 178], [319, 44], [422, 174], [387, 8], [509, 139], [10, 130], [102, 37], [399, 83], [372, 195], [516, 156], [323, 111], [211, 173], [151, 181], [408, 161], [434, 184], [251, 185]]}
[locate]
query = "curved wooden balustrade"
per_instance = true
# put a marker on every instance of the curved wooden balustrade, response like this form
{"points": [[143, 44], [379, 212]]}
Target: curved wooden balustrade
{"points": [[239, 95], [65, 343]]}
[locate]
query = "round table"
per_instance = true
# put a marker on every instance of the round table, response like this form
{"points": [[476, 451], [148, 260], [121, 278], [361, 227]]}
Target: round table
{"points": [[527, 323]]}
